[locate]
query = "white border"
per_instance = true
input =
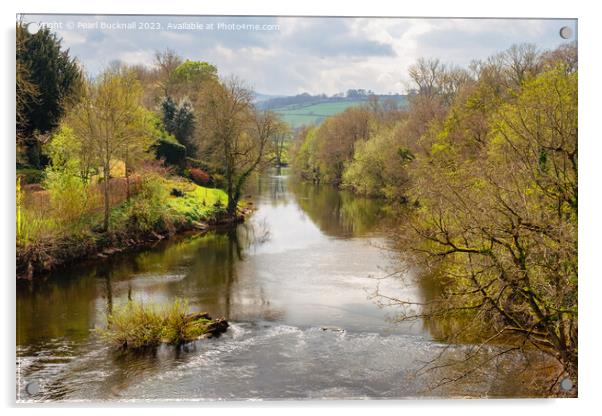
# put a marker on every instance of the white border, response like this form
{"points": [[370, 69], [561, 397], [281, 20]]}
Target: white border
{"points": [[590, 141]]}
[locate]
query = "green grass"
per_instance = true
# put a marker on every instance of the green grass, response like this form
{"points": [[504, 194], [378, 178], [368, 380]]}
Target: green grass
{"points": [[298, 115], [46, 240], [198, 203], [137, 325]]}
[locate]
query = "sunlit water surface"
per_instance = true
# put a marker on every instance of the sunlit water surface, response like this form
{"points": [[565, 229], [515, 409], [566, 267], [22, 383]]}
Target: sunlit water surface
{"points": [[297, 282]]}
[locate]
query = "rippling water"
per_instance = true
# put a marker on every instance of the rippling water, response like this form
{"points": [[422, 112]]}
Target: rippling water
{"points": [[297, 282]]}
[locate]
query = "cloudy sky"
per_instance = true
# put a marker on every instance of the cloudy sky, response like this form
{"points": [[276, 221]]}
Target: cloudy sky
{"points": [[290, 55]]}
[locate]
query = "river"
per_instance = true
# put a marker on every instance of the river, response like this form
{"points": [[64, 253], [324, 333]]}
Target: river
{"points": [[297, 281]]}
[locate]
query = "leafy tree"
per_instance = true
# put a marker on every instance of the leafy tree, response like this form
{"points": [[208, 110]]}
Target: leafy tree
{"points": [[336, 139], [64, 177], [304, 154], [179, 121], [374, 172], [190, 78], [192, 73], [47, 83], [113, 125], [499, 222]]}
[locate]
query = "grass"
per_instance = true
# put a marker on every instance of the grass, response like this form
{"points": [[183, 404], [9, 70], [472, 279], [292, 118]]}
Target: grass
{"points": [[45, 239], [304, 114], [298, 115], [137, 325], [197, 203]]}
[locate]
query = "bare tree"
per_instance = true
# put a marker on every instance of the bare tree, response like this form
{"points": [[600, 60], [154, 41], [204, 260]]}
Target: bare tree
{"points": [[166, 63], [235, 135]]}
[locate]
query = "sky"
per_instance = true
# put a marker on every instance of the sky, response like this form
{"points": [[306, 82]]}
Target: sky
{"points": [[291, 55]]}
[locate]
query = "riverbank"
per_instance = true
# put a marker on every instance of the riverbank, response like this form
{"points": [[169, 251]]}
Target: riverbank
{"points": [[184, 207]]}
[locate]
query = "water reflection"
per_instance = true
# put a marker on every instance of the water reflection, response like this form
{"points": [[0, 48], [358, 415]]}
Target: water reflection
{"points": [[309, 258], [339, 214]]}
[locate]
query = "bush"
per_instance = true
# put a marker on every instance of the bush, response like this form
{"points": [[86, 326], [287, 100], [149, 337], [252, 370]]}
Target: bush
{"points": [[171, 151], [196, 163], [146, 209], [68, 195], [136, 325], [30, 175], [200, 177]]}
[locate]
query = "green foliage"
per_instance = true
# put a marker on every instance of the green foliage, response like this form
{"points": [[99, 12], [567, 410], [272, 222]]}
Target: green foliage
{"points": [[304, 161], [378, 173], [19, 211], [30, 175], [325, 150], [63, 180], [146, 210], [194, 72], [47, 80], [64, 149], [498, 211], [68, 194], [112, 125], [179, 121], [171, 151], [136, 325]]}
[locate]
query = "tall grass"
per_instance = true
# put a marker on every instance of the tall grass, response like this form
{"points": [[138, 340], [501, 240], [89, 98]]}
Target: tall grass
{"points": [[136, 325]]}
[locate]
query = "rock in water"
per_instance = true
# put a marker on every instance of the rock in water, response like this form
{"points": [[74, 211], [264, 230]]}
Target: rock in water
{"points": [[217, 327]]}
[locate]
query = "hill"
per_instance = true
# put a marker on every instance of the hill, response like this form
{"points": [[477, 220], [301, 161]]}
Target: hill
{"points": [[305, 109]]}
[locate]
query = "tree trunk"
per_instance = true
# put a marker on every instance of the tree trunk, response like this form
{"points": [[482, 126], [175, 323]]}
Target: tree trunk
{"points": [[127, 178], [105, 224], [232, 202]]}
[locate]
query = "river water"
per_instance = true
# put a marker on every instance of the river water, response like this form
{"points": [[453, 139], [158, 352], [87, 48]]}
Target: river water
{"points": [[297, 282]]}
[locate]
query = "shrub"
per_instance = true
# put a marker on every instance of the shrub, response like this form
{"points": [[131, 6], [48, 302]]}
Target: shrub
{"points": [[30, 175], [146, 209], [68, 194], [136, 325], [171, 151], [200, 177]]}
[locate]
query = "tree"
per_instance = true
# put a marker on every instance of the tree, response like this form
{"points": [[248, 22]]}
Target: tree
{"points": [[498, 224], [236, 135], [166, 63], [279, 140], [194, 72], [190, 78], [68, 152], [27, 91], [336, 139], [304, 154], [179, 121], [113, 125], [47, 83], [378, 167], [66, 177]]}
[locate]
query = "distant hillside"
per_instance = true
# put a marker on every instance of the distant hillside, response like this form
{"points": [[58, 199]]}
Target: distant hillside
{"points": [[305, 109], [259, 97]]}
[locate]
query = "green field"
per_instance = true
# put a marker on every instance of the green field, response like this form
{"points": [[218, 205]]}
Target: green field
{"points": [[306, 114]]}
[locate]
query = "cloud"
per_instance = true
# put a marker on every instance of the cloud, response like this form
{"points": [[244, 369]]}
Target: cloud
{"points": [[292, 54]]}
